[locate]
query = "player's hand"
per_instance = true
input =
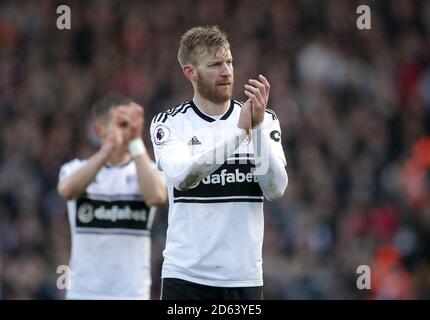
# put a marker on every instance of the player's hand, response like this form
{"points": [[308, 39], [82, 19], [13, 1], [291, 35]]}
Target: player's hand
{"points": [[114, 138], [245, 117], [135, 117], [258, 93]]}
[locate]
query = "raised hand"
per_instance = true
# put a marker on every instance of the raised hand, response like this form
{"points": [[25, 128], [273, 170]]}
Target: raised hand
{"points": [[135, 116], [114, 137], [245, 117], [258, 94]]}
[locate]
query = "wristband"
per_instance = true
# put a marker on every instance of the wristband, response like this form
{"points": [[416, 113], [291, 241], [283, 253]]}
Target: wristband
{"points": [[136, 147]]}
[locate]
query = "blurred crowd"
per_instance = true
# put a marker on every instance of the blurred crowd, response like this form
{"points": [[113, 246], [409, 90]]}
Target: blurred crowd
{"points": [[354, 107]]}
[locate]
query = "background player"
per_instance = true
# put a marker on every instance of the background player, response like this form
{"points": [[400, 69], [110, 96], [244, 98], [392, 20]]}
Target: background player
{"points": [[111, 198]]}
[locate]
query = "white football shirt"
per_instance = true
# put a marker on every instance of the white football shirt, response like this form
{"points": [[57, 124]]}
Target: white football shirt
{"points": [[215, 228], [110, 229]]}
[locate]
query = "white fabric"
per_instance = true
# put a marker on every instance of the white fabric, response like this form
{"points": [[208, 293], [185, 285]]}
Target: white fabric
{"points": [[216, 224], [111, 245]]}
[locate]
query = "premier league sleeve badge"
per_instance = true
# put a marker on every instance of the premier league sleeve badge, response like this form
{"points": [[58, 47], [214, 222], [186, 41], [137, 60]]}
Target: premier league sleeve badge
{"points": [[161, 134]]}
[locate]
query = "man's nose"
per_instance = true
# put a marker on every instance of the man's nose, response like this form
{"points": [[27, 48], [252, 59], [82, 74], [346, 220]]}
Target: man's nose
{"points": [[226, 70]]}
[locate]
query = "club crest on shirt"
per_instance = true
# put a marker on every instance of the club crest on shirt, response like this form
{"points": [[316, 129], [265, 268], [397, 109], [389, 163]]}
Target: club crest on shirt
{"points": [[131, 178], [161, 134]]}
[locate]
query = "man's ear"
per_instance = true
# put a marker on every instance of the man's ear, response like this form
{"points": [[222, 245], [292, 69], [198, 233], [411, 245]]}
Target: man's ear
{"points": [[189, 72]]}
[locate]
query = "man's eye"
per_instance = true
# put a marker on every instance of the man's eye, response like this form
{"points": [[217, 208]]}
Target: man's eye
{"points": [[123, 124], [220, 63]]}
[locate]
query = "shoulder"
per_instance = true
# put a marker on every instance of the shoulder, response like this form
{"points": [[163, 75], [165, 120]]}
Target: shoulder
{"points": [[172, 113], [71, 166], [271, 119], [171, 120], [271, 115], [74, 163], [272, 125]]}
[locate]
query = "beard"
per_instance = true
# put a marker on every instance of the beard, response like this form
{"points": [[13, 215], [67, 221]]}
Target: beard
{"points": [[214, 92]]}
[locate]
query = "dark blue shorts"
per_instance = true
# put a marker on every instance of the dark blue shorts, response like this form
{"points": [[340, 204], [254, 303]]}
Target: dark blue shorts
{"points": [[178, 289]]}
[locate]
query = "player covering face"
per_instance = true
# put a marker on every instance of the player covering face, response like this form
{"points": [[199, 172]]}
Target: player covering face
{"points": [[118, 127], [110, 201]]}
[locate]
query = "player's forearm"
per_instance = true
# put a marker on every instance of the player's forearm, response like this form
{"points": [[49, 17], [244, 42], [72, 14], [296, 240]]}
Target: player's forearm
{"points": [[185, 171], [150, 183], [271, 175], [75, 184], [275, 181]]}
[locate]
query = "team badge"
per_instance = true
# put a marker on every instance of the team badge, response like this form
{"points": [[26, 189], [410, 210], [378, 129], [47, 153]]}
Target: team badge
{"points": [[161, 134]]}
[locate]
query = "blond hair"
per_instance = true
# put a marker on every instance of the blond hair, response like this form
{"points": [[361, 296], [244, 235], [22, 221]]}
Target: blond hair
{"points": [[198, 40]]}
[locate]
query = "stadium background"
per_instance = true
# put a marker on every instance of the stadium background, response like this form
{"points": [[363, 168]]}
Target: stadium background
{"points": [[354, 108]]}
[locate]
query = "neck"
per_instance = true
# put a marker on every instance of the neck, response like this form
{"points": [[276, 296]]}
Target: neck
{"points": [[209, 107], [117, 158]]}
